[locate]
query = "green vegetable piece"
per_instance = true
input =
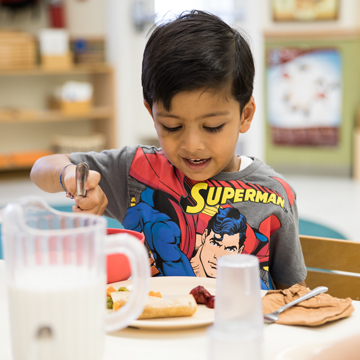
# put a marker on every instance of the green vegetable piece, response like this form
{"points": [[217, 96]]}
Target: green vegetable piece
{"points": [[109, 305], [108, 298], [123, 288]]}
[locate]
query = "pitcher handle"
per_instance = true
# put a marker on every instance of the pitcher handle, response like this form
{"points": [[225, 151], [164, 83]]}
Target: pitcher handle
{"points": [[140, 274]]}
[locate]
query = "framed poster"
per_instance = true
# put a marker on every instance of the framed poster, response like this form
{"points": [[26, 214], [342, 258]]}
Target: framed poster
{"points": [[304, 96], [305, 10]]}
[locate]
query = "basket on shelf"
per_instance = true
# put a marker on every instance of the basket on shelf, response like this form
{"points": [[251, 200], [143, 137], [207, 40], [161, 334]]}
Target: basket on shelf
{"points": [[73, 98], [65, 144], [17, 50], [54, 49]]}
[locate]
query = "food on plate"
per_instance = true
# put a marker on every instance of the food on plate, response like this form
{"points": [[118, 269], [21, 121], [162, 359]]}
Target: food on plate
{"points": [[157, 307], [202, 296], [123, 288], [109, 303], [210, 302], [156, 294], [109, 290]]}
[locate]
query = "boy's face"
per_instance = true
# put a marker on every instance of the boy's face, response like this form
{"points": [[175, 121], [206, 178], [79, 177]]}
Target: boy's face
{"points": [[200, 132]]}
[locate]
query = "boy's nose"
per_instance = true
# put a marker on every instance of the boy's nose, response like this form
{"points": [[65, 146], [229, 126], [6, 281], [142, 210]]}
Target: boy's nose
{"points": [[192, 142]]}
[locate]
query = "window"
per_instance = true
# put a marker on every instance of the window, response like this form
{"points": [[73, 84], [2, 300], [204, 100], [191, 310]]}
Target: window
{"points": [[166, 9]]}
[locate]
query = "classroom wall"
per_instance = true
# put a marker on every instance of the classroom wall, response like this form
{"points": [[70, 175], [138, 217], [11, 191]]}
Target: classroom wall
{"points": [[86, 18], [112, 19], [344, 35]]}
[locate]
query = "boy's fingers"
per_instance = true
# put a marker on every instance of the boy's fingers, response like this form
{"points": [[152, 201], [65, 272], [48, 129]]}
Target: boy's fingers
{"points": [[76, 208], [96, 210], [95, 202], [93, 180]]}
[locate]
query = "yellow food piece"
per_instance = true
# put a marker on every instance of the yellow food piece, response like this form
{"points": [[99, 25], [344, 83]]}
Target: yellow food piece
{"points": [[116, 305]]}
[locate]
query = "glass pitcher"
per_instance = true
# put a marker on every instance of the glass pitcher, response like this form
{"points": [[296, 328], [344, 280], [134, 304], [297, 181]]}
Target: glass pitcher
{"points": [[56, 280]]}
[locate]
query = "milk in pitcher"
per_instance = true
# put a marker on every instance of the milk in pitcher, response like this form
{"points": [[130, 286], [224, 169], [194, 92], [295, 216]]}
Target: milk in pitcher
{"points": [[36, 303]]}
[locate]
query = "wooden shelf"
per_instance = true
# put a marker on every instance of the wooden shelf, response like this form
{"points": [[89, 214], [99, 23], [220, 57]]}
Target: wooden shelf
{"points": [[14, 168], [53, 115], [21, 160], [76, 69], [20, 152]]}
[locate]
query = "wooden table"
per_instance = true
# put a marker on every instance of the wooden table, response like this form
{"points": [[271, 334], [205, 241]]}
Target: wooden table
{"points": [[192, 343]]}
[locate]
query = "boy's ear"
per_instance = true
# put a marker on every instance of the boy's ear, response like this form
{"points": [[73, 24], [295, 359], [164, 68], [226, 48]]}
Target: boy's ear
{"points": [[148, 108], [247, 115]]}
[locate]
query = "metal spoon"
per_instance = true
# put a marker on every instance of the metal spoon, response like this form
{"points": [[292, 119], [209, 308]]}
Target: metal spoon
{"points": [[82, 172], [271, 317]]}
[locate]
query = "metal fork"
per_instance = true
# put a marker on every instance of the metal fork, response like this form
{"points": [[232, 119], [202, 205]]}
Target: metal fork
{"points": [[272, 317], [82, 172]]}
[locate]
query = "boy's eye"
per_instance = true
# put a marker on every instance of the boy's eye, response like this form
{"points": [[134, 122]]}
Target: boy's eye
{"points": [[214, 129], [169, 129]]}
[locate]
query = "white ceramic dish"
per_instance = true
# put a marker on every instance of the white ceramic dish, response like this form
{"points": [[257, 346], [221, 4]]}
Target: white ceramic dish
{"points": [[173, 287]]}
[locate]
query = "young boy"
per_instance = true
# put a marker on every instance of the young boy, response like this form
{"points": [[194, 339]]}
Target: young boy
{"points": [[197, 78]]}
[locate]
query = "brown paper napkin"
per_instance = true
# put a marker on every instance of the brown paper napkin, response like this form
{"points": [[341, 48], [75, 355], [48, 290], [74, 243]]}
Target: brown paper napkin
{"points": [[315, 311]]}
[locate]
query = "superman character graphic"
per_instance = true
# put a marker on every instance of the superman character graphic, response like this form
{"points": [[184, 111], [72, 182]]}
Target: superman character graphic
{"points": [[188, 226]]}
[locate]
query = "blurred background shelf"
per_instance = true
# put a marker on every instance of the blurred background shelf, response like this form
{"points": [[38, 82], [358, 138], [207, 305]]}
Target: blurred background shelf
{"points": [[20, 160], [28, 122], [75, 69], [19, 116]]}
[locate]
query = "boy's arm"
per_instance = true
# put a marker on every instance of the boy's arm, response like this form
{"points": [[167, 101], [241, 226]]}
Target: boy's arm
{"points": [[46, 175], [46, 172], [281, 286]]}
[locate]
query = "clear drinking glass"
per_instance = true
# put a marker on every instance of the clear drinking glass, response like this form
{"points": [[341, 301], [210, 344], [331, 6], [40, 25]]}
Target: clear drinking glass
{"points": [[56, 280], [237, 332]]}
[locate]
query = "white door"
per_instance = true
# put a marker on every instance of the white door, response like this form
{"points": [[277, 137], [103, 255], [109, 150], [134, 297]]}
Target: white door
{"points": [[128, 24], [125, 45]]}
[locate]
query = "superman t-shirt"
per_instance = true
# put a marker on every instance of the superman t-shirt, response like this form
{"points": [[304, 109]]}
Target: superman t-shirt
{"points": [[189, 224]]}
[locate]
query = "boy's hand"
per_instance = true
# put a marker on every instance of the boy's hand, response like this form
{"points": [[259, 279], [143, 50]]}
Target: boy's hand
{"points": [[95, 201]]}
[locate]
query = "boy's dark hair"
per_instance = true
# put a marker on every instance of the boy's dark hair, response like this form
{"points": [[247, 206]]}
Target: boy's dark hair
{"points": [[196, 50]]}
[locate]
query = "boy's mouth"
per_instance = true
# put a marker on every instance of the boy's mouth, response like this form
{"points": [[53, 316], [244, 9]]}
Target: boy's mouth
{"points": [[197, 163]]}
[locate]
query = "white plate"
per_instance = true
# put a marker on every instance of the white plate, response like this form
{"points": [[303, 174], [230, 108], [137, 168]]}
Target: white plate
{"points": [[173, 287]]}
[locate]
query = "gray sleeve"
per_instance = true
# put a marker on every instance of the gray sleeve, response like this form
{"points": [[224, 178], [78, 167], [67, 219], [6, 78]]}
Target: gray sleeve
{"points": [[286, 263], [114, 167]]}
